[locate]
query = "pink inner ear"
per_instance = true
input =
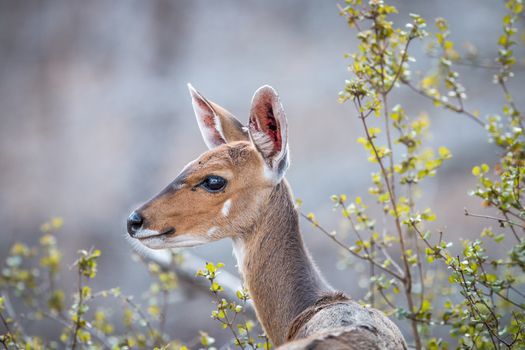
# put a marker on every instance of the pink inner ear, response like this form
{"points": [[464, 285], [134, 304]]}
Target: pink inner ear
{"points": [[209, 121], [269, 125]]}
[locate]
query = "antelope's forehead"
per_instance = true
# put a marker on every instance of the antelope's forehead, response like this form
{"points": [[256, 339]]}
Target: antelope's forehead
{"points": [[223, 160]]}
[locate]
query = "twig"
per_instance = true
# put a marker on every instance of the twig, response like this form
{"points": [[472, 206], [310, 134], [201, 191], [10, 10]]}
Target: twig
{"points": [[499, 220], [407, 280], [447, 105], [387, 255], [442, 257], [509, 98], [473, 307], [227, 322], [139, 311], [95, 332], [348, 249], [11, 313], [403, 61], [368, 253], [79, 312], [520, 330], [473, 64], [188, 267], [8, 329]]}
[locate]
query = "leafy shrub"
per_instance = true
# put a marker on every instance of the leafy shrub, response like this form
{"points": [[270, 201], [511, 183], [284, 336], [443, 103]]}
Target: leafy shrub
{"points": [[227, 312], [31, 276], [481, 301]]}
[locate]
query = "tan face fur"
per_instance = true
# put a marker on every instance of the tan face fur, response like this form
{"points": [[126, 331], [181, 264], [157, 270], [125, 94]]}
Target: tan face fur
{"points": [[185, 213], [198, 216]]}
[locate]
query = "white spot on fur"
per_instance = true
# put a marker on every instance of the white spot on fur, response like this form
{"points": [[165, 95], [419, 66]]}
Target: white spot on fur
{"points": [[239, 252], [269, 174], [212, 231], [226, 208]]}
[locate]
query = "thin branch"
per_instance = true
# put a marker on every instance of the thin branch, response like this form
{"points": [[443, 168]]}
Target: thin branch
{"points": [[227, 322], [520, 330], [476, 64], [389, 189], [11, 313], [95, 332], [442, 257], [187, 268], [164, 312], [403, 61], [472, 304], [348, 249], [79, 310], [447, 105], [387, 255], [501, 221], [371, 254], [138, 310], [8, 329], [509, 98]]}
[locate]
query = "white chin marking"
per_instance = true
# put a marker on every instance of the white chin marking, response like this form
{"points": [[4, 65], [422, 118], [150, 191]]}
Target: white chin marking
{"points": [[226, 208], [154, 242], [186, 241], [178, 241], [146, 233]]}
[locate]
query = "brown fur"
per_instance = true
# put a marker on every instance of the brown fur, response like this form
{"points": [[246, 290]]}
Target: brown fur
{"points": [[278, 271], [289, 293], [189, 209], [294, 304]]}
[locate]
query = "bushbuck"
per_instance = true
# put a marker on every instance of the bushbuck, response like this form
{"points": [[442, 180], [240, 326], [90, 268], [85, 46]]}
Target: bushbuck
{"points": [[237, 189]]}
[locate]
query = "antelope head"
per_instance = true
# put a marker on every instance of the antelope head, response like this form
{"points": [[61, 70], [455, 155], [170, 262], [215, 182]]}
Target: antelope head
{"points": [[219, 194]]}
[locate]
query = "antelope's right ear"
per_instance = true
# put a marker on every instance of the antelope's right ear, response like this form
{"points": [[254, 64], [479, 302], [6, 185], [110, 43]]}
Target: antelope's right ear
{"points": [[269, 131], [217, 125]]}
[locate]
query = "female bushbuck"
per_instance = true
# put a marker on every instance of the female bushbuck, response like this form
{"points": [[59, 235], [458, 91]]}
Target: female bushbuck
{"points": [[237, 189]]}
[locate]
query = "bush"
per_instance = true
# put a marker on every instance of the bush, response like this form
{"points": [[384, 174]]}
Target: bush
{"points": [[31, 276], [481, 300]]}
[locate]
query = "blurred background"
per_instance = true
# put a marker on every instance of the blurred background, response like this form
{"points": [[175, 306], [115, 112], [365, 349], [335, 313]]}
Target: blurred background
{"points": [[96, 118]]}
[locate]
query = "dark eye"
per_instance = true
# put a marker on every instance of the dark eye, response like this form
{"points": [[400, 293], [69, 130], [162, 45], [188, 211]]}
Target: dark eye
{"points": [[214, 183]]}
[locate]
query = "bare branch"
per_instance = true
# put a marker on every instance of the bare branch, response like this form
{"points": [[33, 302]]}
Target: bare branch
{"points": [[188, 267]]}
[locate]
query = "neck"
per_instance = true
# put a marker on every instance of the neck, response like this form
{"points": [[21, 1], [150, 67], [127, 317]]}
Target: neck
{"points": [[276, 267]]}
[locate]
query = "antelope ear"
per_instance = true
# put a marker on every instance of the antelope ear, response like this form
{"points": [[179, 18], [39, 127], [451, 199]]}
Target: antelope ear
{"points": [[217, 125], [269, 131]]}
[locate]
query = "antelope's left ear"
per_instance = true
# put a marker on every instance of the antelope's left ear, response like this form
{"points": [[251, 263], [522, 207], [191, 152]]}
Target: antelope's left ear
{"points": [[217, 125], [269, 131]]}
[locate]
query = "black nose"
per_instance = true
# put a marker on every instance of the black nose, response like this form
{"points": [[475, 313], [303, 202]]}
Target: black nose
{"points": [[134, 223]]}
